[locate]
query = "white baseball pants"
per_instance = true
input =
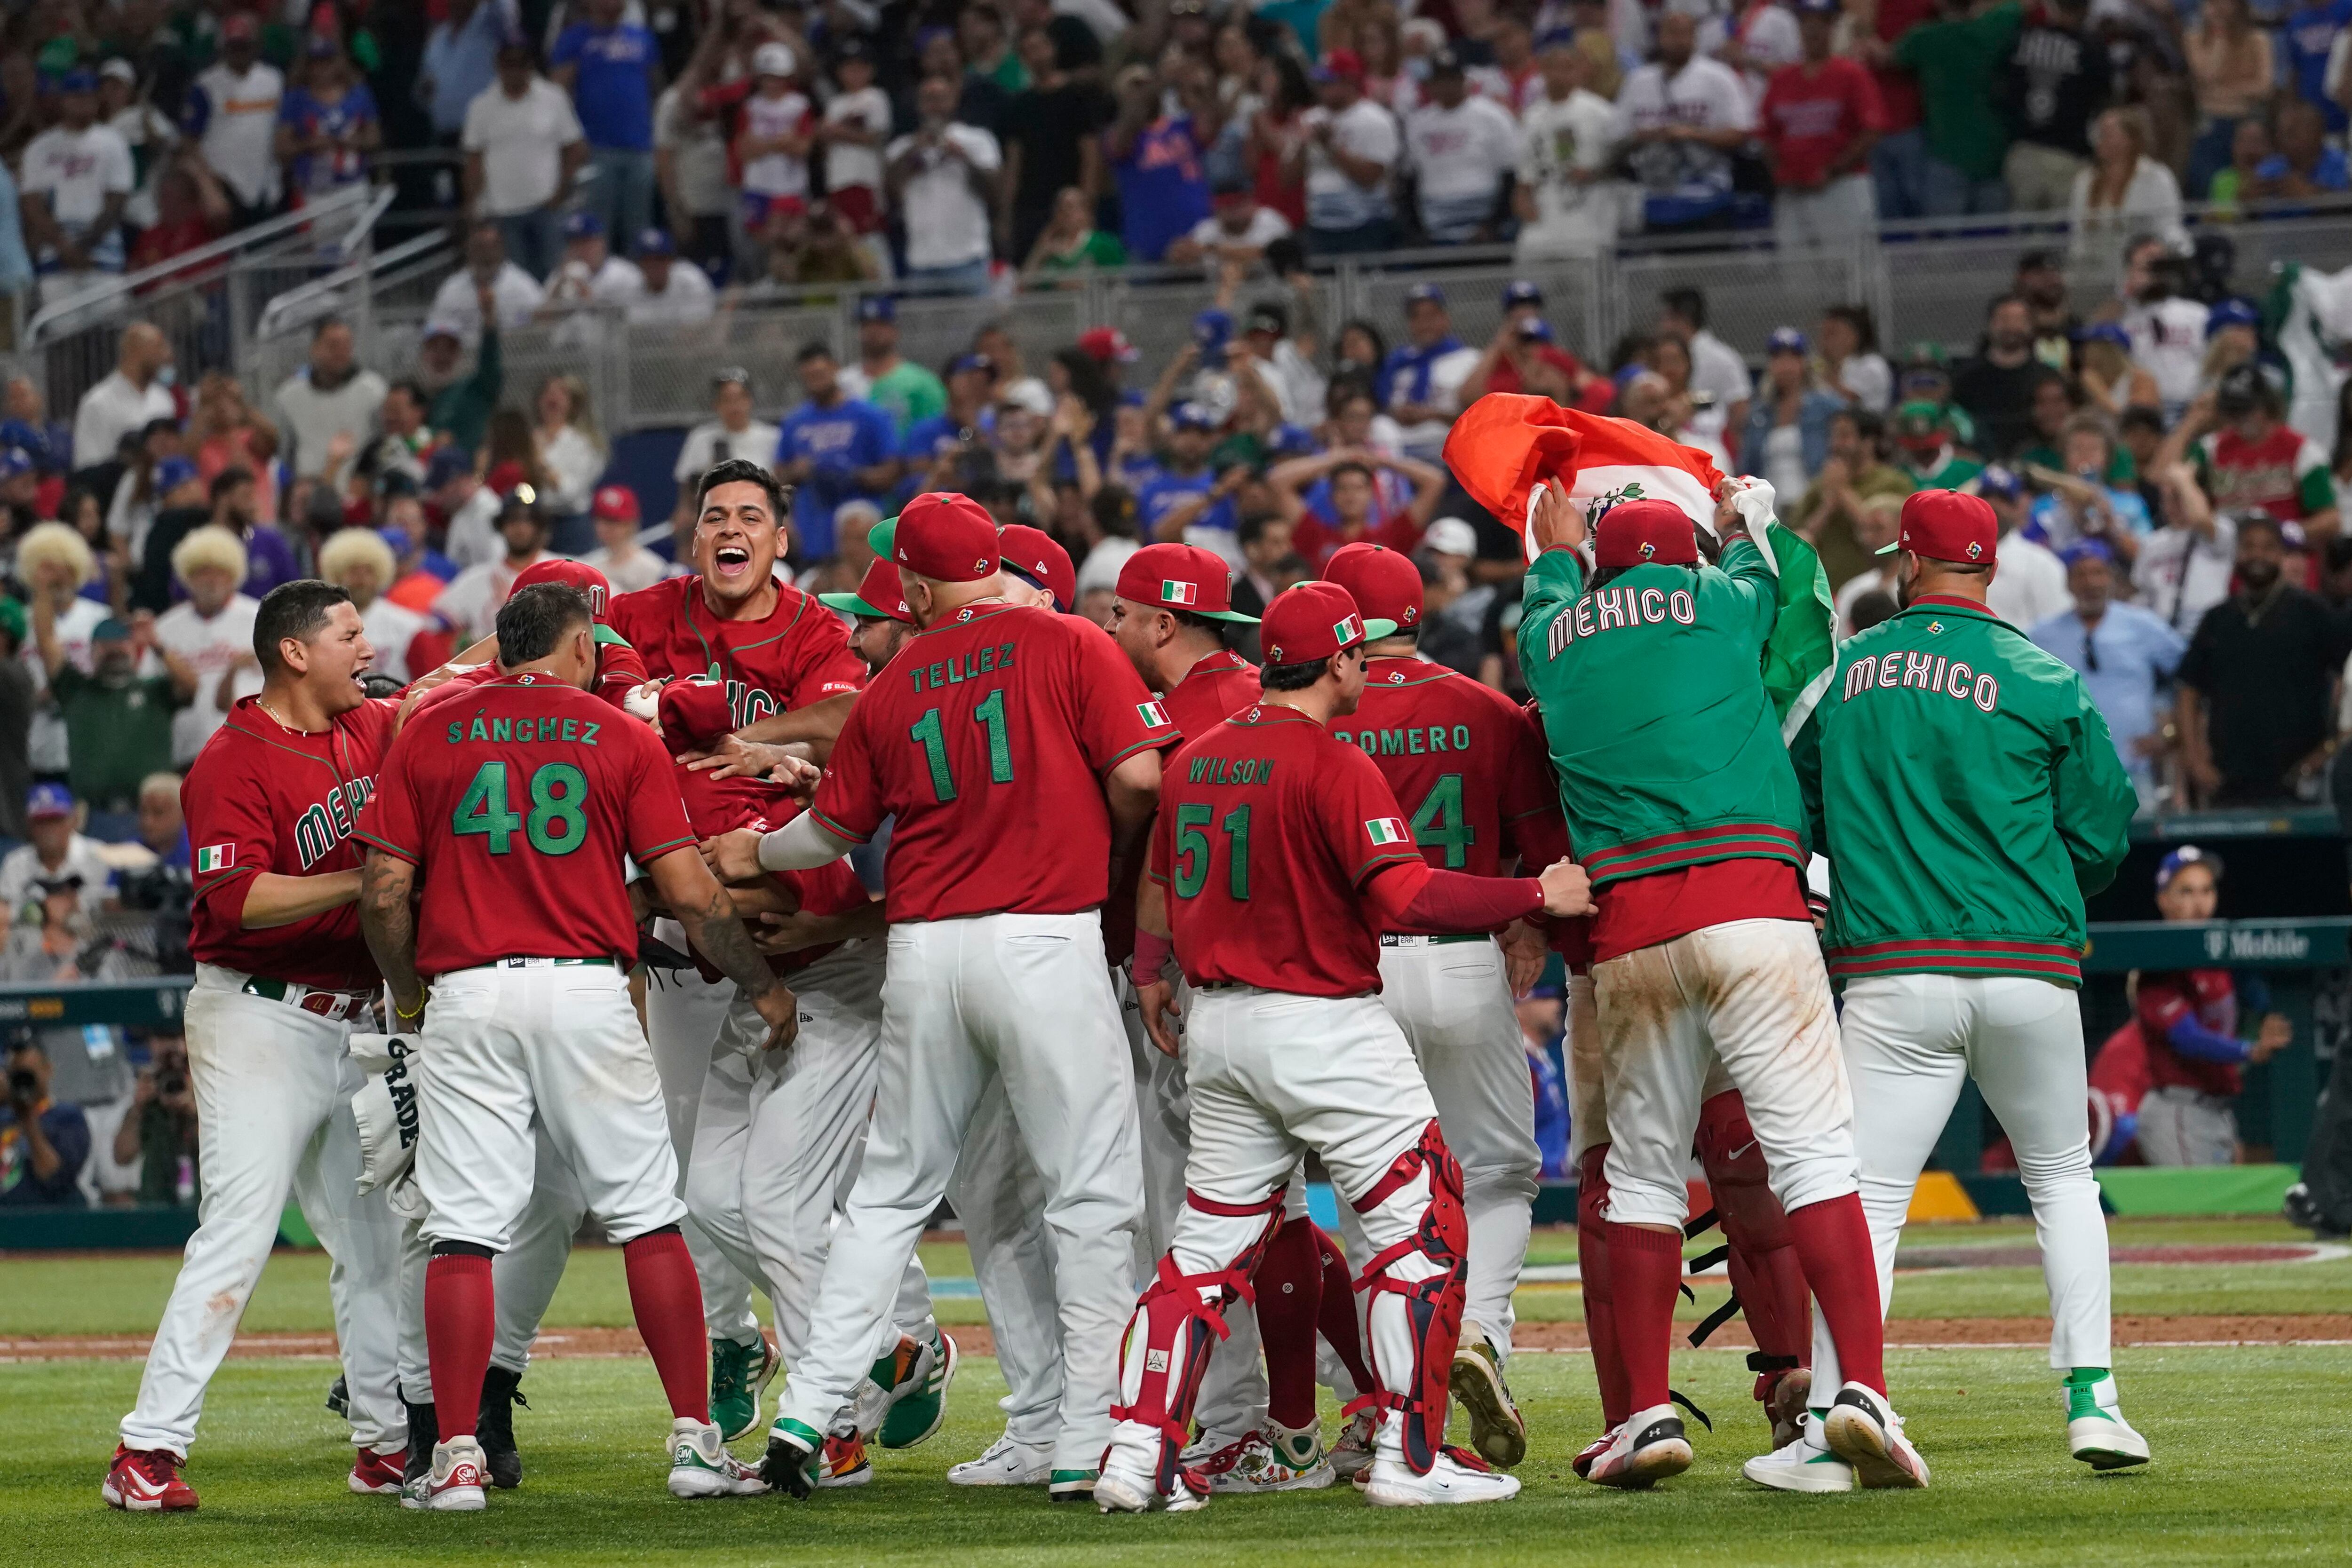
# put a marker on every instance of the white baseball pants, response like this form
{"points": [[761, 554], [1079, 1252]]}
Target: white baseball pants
{"points": [[273, 1087], [1025, 999], [511, 1049], [1450, 998], [1910, 1040], [1753, 994], [2182, 1126], [686, 1019], [1000, 1198]]}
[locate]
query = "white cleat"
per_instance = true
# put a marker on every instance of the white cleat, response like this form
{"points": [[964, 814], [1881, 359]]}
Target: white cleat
{"points": [[1863, 1431], [2096, 1432], [1351, 1455], [1648, 1448], [1802, 1463], [455, 1485], [1120, 1490], [700, 1466], [1457, 1476], [1275, 1460], [1006, 1464]]}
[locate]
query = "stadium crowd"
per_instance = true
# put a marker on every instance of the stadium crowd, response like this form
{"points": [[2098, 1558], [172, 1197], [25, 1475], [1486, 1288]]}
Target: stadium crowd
{"points": [[2166, 531]]}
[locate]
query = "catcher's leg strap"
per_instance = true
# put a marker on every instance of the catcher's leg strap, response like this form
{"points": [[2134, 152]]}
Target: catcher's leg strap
{"points": [[1414, 1218]]}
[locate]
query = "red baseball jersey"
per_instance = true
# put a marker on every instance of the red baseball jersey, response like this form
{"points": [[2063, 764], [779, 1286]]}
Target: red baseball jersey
{"points": [[987, 738], [1211, 691], [260, 797], [619, 672], [517, 807], [1269, 826], [715, 806], [2211, 997], [796, 655]]}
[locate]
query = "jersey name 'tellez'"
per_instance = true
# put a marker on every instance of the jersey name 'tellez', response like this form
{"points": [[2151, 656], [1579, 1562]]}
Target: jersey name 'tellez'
{"points": [[987, 737], [794, 657], [260, 797], [516, 807], [1967, 796], [1269, 826], [1667, 748]]}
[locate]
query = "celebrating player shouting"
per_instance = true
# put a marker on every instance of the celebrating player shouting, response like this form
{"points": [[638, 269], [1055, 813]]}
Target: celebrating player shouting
{"points": [[1272, 839]]}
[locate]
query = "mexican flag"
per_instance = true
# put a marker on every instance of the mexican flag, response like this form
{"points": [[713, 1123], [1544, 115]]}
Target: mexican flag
{"points": [[1506, 445]]}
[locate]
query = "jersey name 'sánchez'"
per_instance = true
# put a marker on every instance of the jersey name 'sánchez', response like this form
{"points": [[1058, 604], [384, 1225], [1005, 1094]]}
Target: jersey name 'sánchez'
{"points": [[1908, 670], [987, 737]]}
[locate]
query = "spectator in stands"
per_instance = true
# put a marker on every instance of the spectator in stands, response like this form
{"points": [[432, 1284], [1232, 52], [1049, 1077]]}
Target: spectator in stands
{"points": [[691, 158], [2256, 683], [1956, 61], [43, 1145], [2124, 194], [232, 117], [1188, 500], [773, 143], [360, 562], [77, 176], [17, 695], [2188, 1021], [1849, 363], [571, 450], [468, 508], [57, 850], [117, 721], [2057, 78], [2125, 655], [590, 272], [896, 385], [1818, 122], [608, 64], [943, 179], [1787, 438], [1263, 539], [731, 431], [627, 565], [461, 405], [126, 400], [210, 632], [673, 294], [514, 294], [1924, 439], [1353, 495], [1716, 366], [329, 397], [1997, 387], [328, 127], [2185, 566], [2308, 38], [1565, 200], [461, 62], [2305, 164], [524, 146], [1051, 142], [1460, 150], [1687, 114], [1234, 234], [1524, 357], [398, 454], [1347, 156], [2085, 500], [2230, 64], [1420, 381], [2246, 456], [2166, 324], [159, 1134], [469, 605], [1166, 122], [145, 129], [1070, 243], [2109, 379], [54, 563], [834, 448]]}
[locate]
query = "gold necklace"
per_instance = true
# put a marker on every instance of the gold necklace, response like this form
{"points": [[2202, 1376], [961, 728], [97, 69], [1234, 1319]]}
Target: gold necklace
{"points": [[264, 706]]}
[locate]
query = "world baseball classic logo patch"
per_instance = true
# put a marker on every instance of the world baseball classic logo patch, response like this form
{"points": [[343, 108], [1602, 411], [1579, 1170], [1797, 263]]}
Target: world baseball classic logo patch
{"points": [[1174, 592], [215, 857], [1154, 715], [1385, 830]]}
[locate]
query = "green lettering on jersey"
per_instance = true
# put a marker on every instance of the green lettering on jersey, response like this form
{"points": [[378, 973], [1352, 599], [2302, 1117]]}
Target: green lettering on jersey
{"points": [[1412, 741], [503, 730], [588, 735], [1461, 738], [480, 730], [1005, 655], [1442, 822], [1391, 743], [457, 731]]}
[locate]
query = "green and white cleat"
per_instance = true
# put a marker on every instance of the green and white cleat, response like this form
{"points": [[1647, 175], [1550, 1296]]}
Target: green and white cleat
{"points": [[700, 1466], [1802, 1463], [918, 1390], [1071, 1486], [740, 1375], [2096, 1432]]}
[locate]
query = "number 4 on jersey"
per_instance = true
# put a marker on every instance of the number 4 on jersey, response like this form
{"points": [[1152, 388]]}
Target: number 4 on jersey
{"points": [[1441, 822]]}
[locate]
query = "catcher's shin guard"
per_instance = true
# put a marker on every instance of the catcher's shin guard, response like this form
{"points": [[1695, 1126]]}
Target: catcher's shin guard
{"points": [[1415, 1285], [1765, 1280], [1593, 1279], [1165, 1352]]}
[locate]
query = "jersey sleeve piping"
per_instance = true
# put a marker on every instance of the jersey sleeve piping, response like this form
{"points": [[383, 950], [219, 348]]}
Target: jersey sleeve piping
{"points": [[838, 831], [388, 847]]}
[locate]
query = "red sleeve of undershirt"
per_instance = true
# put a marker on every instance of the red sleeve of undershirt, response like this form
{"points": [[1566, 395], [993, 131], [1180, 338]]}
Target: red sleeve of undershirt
{"points": [[1410, 896]]}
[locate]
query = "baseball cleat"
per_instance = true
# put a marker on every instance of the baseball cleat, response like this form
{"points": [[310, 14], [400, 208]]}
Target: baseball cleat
{"points": [[1863, 1431], [1497, 1431], [793, 1451], [1458, 1476], [147, 1481], [1278, 1459], [1783, 1396], [1804, 1464], [700, 1466], [2096, 1432], [339, 1396], [494, 1428], [1118, 1490], [740, 1375], [454, 1483], [918, 1396], [1070, 1486], [1351, 1455], [843, 1462], [424, 1431], [378, 1475], [1582, 1463], [1649, 1448], [1006, 1464]]}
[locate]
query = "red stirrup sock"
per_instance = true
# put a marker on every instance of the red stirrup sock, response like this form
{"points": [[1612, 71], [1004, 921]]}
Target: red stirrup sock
{"points": [[1645, 1269], [1832, 1242], [1336, 1321], [1289, 1287], [460, 1318], [667, 1301]]}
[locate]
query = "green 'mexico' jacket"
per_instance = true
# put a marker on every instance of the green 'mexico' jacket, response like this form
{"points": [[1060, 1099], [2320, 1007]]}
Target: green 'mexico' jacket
{"points": [[1967, 794], [1667, 744]]}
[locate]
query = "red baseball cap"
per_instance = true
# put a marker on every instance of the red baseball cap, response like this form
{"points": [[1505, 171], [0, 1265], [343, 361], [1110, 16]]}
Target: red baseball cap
{"points": [[503, 478], [1180, 577], [880, 597], [1381, 581], [615, 504], [1640, 533], [947, 538], [1313, 621], [694, 714], [1106, 344], [593, 585], [1947, 524], [1034, 555]]}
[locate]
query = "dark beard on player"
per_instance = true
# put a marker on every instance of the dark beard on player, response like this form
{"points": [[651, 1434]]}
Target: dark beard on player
{"points": [[1906, 585]]}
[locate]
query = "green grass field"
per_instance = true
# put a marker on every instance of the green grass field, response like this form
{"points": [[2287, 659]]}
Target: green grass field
{"points": [[2246, 1440]]}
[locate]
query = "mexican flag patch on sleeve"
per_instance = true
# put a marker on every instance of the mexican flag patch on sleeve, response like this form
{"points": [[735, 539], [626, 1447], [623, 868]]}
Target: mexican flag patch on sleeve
{"points": [[1386, 830], [215, 857], [1154, 715]]}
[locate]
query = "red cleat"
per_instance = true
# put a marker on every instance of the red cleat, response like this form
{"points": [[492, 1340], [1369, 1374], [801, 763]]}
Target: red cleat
{"points": [[147, 1481], [378, 1475]]}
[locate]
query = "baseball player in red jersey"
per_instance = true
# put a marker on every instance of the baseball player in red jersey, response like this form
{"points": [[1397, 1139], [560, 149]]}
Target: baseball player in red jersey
{"points": [[507, 825], [1279, 857], [787, 671], [1016, 751], [282, 972], [1470, 773], [1174, 603], [620, 671]]}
